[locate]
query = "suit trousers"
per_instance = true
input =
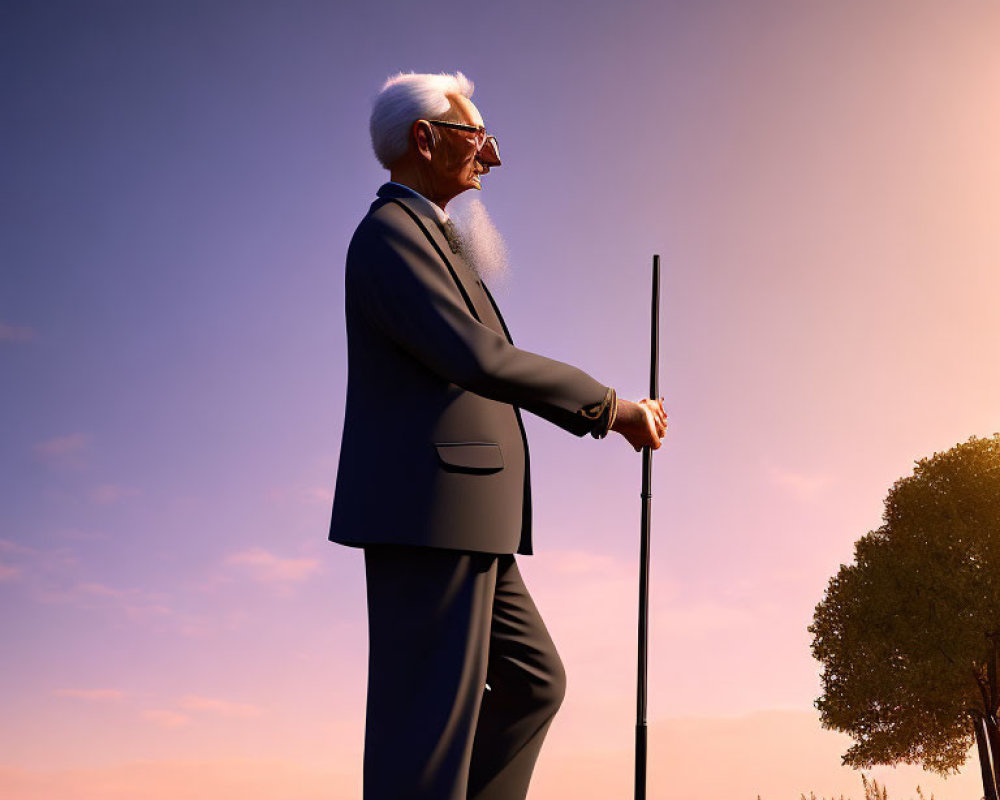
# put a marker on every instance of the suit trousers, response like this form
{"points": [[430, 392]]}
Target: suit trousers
{"points": [[463, 677]]}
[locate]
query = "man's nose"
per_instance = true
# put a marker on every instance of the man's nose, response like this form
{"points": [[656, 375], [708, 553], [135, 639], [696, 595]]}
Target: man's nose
{"points": [[489, 154]]}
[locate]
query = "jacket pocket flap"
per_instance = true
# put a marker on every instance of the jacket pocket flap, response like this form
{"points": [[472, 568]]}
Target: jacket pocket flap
{"points": [[470, 456]]}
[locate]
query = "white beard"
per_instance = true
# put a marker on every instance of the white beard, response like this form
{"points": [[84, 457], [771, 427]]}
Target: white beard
{"points": [[480, 242]]}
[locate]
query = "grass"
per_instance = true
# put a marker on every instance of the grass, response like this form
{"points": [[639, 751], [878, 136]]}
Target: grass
{"points": [[872, 792]]}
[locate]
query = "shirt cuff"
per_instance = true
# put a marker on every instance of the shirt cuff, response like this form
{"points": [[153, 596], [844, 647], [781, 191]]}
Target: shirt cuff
{"points": [[603, 414]]}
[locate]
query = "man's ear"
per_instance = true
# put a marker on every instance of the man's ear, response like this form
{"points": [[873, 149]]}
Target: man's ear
{"points": [[423, 138]]}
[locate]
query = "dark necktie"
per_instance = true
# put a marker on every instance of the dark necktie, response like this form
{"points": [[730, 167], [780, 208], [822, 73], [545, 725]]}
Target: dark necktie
{"points": [[451, 234]]}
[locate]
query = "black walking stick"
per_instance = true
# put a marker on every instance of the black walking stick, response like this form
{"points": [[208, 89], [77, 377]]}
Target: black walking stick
{"points": [[647, 473]]}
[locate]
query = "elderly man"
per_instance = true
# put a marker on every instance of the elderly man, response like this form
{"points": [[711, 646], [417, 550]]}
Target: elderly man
{"points": [[433, 482]]}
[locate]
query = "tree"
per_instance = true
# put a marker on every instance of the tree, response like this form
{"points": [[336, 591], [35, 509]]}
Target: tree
{"points": [[908, 635]]}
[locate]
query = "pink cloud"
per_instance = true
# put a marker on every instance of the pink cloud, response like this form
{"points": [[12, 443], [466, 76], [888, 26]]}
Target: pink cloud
{"points": [[64, 451], [109, 493], [224, 708], [317, 494], [99, 590], [144, 611], [166, 719], [16, 333], [78, 535], [802, 485], [7, 546], [311, 495], [136, 604], [266, 567], [196, 629], [42, 572], [28, 555], [91, 694]]}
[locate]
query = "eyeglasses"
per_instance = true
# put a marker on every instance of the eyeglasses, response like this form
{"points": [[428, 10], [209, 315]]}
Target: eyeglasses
{"points": [[486, 146]]}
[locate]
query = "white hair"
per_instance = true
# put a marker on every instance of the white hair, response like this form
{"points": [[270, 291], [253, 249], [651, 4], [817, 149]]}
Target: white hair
{"points": [[405, 98]]}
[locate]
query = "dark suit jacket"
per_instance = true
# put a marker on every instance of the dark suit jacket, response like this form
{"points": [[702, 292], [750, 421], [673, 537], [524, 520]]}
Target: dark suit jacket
{"points": [[433, 450]]}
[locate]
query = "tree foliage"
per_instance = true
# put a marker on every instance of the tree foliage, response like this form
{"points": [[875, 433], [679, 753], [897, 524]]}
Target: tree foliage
{"points": [[908, 633]]}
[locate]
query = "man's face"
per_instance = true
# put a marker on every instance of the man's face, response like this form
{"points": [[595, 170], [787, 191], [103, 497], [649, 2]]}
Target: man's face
{"points": [[455, 164]]}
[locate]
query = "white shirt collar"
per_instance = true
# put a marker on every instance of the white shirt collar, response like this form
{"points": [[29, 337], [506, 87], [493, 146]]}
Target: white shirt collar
{"points": [[434, 207]]}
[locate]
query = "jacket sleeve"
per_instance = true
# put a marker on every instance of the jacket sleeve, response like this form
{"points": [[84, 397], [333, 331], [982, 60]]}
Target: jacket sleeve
{"points": [[400, 284]]}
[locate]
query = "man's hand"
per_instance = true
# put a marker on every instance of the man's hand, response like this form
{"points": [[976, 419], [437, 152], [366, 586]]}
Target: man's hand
{"points": [[642, 423]]}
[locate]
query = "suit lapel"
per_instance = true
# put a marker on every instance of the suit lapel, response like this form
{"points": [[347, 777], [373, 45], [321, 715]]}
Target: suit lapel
{"points": [[486, 307], [496, 310], [489, 313], [480, 303]]}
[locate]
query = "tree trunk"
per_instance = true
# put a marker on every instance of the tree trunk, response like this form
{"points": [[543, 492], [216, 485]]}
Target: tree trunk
{"points": [[983, 748], [993, 736], [990, 720], [991, 680]]}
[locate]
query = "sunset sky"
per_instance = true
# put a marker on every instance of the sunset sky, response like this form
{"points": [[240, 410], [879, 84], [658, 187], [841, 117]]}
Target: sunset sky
{"points": [[179, 184]]}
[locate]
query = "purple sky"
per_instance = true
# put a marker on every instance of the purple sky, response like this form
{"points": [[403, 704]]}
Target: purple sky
{"points": [[179, 185]]}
